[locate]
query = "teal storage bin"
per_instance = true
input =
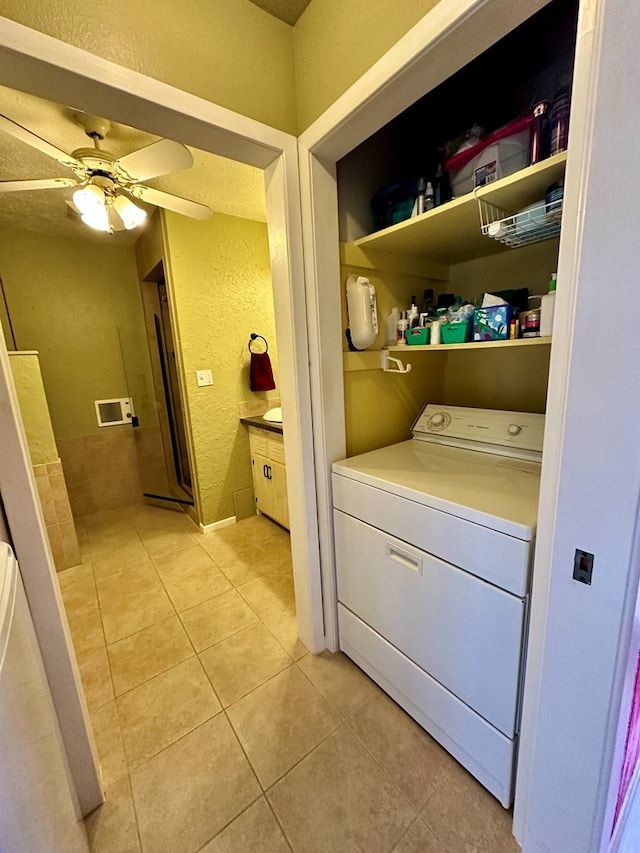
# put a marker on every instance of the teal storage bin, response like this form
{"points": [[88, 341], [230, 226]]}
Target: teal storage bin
{"points": [[455, 333], [418, 336]]}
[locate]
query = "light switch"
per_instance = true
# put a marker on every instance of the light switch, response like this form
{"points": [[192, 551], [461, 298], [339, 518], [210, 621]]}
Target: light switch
{"points": [[204, 377]]}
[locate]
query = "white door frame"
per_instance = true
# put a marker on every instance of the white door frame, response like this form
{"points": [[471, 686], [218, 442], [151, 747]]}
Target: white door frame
{"points": [[445, 39], [33, 62]]}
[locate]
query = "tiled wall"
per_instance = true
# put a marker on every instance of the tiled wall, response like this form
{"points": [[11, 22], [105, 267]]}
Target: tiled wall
{"points": [[57, 514], [101, 470]]}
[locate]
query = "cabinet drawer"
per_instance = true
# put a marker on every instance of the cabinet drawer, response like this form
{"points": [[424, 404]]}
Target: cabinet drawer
{"points": [[258, 441], [276, 448], [466, 633]]}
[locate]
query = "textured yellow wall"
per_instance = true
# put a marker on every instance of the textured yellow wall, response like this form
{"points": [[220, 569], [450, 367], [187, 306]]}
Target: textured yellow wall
{"points": [[229, 51], [33, 407], [336, 42], [381, 407], [71, 299], [220, 282]]}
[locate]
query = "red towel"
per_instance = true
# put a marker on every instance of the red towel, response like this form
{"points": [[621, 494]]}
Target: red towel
{"points": [[260, 372]]}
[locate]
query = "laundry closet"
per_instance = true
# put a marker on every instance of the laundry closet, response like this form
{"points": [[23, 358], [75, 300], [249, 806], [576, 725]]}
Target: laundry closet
{"points": [[433, 603]]}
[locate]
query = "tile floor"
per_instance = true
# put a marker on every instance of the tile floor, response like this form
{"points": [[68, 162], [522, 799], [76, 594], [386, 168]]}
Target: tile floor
{"points": [[218, 732]]}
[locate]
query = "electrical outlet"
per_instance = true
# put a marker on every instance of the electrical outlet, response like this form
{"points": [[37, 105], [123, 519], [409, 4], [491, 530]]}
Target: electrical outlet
{"points": [[204, 377]]}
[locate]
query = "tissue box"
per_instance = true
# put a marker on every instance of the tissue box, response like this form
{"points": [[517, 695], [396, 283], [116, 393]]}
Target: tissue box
{"points": [[418, 336], [491, 324], [456, 333]]}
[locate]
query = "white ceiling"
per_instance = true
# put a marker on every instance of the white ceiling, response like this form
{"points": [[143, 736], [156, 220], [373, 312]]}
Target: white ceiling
{"points": [[226, 186], [287, 10]]}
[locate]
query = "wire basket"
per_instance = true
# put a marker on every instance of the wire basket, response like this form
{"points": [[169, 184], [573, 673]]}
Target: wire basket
{"points": [[535, 223]]}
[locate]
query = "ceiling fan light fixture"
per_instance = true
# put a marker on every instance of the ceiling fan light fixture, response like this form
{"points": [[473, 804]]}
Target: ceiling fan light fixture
{"points": [[89, 199], [130, 213], [97, 218]]}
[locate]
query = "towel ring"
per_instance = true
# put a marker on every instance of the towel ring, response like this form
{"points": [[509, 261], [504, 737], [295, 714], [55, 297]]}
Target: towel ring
{"points": [[253, 337]]}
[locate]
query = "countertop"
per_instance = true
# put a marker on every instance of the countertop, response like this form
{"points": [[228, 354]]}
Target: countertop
{"points": [[259, 421]]}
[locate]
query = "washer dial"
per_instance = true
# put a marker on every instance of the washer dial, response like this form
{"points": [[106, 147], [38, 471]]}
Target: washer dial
{"points": [[439, 421]]}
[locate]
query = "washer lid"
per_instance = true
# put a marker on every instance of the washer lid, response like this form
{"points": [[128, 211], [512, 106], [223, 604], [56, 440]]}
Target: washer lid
{"points": [[517, 434], [498, 492]]}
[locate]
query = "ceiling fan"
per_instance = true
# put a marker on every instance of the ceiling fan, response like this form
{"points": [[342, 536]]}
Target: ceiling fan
{"points": [[106, 184]]}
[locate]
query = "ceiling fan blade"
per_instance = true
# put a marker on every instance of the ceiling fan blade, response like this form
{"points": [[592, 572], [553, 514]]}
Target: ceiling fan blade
{"points": [[157, 159], [37, 184], [172, 202], [18, 132]]}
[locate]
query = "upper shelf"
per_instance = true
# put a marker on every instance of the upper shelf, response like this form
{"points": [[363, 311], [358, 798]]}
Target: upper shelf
{"points": [[451, 233]]}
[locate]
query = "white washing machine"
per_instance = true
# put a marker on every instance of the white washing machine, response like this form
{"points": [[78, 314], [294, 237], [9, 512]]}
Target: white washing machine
{"points": [[434, 545]]}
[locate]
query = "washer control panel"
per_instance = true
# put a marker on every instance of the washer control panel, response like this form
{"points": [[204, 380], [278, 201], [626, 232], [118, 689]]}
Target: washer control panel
{"points": [[461, 426]]}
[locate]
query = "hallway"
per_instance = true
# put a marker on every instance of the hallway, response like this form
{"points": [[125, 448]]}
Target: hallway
{"points": [[218, 732]]}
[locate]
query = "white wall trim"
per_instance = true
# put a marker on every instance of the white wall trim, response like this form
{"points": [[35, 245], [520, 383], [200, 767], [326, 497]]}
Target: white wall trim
{"points": [[217, 525]]}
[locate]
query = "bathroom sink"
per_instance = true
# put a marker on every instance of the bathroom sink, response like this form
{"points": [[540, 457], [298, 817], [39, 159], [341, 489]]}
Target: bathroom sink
{"points": [[274, 415]]}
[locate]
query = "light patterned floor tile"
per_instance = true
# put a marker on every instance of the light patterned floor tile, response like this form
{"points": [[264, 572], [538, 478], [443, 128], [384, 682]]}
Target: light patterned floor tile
{"points": [[284, 627], [466, 817], [136, 612], [147, 653], [419, 839], [78, 589], [113, 828], [96, 676], [190, 791], [162, 710], [337, 798], [119, 558], [243, 661], [340, 681], [167, 543], [86, 631], [255, 831], [175, 565], [106, 730], [281, 722], [404, 750], [217, 619], [134, 579], [196, 587], [271, 593]]}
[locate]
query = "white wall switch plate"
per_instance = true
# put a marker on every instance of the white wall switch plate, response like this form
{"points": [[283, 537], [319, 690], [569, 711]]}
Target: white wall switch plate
{"points": [[204, 377]]}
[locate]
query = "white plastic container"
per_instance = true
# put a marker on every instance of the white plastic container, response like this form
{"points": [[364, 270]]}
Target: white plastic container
{"points": [[391, 334], [503, 158], [547, 309]]}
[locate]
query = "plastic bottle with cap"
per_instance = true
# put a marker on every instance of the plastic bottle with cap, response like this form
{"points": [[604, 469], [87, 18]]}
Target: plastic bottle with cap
{"points": [[547, 307], [403, 325]]}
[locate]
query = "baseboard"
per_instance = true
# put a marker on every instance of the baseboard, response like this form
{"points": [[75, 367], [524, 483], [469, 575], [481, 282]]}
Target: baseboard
{"points": [[225, 522]]}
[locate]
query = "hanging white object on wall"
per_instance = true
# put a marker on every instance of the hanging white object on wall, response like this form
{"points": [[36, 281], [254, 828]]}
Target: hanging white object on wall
{"points": [[362, 311]]}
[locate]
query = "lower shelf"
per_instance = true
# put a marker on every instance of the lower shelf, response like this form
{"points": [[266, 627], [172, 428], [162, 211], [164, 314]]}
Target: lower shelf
{"points": [[371, 359], [473, 345]]}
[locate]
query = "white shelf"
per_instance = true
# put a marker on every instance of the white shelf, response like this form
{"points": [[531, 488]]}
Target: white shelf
{"points": [[451, 233], [355, 362], [472, 345]]}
